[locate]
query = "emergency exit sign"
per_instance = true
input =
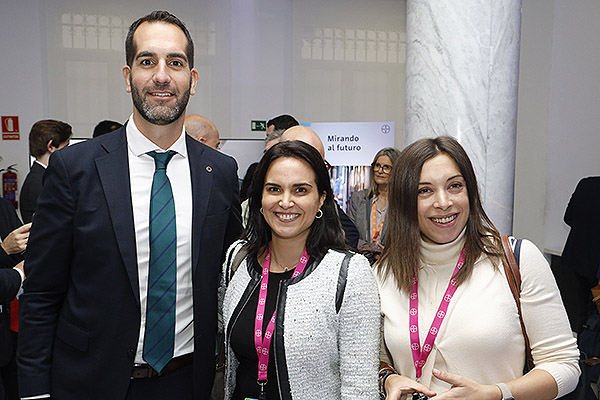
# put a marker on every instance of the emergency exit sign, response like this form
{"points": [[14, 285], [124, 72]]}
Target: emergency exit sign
{"points": [[258, 126], [10, 127]]}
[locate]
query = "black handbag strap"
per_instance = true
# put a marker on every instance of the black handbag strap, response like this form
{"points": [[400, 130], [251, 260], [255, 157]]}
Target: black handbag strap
{"points": [[341, 285]]}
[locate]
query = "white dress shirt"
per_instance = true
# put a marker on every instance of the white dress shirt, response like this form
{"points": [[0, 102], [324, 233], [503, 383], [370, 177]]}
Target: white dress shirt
{"points": [[141, 170]]}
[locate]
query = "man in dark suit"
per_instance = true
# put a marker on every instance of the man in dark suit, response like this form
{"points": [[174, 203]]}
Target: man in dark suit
{"points": [[45, 137], [581, 255], [91, 266], [13, 241]]}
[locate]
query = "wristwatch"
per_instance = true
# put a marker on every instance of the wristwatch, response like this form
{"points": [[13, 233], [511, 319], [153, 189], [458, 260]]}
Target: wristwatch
{"points": [[506, 393]]}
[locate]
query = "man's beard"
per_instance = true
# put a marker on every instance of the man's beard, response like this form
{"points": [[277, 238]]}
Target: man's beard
{"points": [[159, 115]]}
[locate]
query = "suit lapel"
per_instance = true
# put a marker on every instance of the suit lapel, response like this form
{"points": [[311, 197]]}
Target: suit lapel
{"points": [[117, 190], [202, 176]]}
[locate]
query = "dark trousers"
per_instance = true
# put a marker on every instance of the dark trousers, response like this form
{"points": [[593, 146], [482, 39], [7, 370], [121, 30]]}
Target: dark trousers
{"points": [[585, 305], [9, 389], [175, 385]]}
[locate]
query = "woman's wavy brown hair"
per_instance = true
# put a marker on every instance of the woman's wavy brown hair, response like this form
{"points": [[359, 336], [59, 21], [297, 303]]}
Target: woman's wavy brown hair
{"points": [[401, 256]]}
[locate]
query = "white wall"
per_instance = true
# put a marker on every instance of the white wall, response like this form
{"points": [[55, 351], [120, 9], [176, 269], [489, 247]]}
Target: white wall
{"points": [[559, 103], [23, 83], [532, 120]]}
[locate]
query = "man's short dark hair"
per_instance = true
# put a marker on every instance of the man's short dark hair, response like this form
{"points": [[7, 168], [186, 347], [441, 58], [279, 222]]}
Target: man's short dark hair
{"points": [[158, 16], [47, 130], [105, 127], [283, 121]]}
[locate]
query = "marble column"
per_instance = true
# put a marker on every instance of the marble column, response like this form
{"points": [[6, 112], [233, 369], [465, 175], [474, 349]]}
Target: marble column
{"points": [[462, 70]]}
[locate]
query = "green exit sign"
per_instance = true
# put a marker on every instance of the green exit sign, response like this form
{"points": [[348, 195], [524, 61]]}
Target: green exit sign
{"points": [[258, 126]]}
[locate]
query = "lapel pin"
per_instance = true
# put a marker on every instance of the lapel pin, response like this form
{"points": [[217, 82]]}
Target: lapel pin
{"points": [[208, 169]]}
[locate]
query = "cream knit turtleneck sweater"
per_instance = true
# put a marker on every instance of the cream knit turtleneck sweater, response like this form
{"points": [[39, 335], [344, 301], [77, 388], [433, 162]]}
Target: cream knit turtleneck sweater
{"points": [[480, 337]]}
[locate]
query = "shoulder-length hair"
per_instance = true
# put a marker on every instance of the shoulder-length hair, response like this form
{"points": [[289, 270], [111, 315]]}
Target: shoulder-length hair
{"points": [[401, 256], [325, 233], [393, 154]]}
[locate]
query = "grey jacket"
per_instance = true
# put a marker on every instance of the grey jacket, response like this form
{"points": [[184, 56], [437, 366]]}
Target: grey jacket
{"points": [[321, 353], [359, 211]]}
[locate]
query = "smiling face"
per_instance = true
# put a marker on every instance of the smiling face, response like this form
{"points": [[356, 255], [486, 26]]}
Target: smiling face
{"points": [[443, 201], [290, 198], [160, 79]]}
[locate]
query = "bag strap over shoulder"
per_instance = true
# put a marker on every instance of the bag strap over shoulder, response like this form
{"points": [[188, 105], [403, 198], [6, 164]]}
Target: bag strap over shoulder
{"points": [[342, 278], [237, 260], [513, 276]]}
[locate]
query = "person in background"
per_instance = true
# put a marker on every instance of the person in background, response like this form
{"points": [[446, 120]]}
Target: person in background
{"points": [[317, 304], [13, 242], [368, 207], [203, 130], [124, 256], [283, 121], [104, 127], [247, 182], [441, 267], [46, 136], [273, 138], [580, 255]]}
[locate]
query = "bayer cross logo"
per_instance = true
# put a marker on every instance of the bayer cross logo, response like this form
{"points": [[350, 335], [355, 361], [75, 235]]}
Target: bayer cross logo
{"points": [[385, 129]]}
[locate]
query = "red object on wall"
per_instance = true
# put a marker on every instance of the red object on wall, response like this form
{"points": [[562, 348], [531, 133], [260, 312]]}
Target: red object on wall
{"points": [[10, 124], [10, 127], [9, 184]]}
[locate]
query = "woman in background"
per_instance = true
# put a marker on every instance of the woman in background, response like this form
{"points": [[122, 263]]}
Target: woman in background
{"points": [[368, 207], [301, 313], [442, 263]]}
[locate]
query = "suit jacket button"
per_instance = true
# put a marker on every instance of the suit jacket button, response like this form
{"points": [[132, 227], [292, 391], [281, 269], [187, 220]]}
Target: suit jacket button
{"points": [[131, 353]]}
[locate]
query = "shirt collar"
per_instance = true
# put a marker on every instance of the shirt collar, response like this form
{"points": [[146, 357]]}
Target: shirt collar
{"points": [[42, 164], [139, 144]]}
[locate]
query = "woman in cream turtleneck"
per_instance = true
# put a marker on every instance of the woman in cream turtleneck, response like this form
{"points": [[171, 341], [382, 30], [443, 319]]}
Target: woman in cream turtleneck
{"points": [[462, 340]]}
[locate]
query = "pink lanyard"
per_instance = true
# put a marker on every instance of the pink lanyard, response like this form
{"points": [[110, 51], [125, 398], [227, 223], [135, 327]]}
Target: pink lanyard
{"points": [[263, 345], [420, 357]]}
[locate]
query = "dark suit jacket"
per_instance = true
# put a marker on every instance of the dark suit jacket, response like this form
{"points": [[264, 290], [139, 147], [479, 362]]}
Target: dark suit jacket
{"points": [[30, 191], [80, 311], [581, 249], [349, 227], [10, 280]]}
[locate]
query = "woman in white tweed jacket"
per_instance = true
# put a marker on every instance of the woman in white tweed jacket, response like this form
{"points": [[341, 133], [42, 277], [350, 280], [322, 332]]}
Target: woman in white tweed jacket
{"points": [[442, 263], [324, 339]]}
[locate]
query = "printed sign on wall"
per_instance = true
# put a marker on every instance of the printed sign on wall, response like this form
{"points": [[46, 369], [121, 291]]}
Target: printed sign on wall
{"points": [[353, 143], [10, 128]]}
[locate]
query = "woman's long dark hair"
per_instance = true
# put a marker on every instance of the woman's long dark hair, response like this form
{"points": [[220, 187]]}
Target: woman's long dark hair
{"points": [[325, 233], [401, 256]]}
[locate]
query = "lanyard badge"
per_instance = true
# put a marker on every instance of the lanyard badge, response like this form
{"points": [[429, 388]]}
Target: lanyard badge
{"points": [[420, 355], [261, 343]]}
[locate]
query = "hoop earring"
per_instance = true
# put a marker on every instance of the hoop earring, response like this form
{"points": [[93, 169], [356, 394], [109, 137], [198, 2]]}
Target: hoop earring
{"points": [[261, 210], [319, 214]]}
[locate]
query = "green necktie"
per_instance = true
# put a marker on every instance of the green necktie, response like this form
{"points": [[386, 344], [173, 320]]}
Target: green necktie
{"points": [[159, 339]]}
